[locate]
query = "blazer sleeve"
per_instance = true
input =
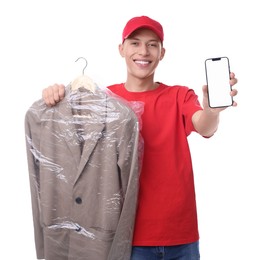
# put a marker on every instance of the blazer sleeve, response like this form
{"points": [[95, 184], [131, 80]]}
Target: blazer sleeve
{"points": [[32, 136], [129, 157]]}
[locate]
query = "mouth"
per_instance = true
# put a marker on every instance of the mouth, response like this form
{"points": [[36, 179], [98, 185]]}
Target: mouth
{"points": [[142, 62]]}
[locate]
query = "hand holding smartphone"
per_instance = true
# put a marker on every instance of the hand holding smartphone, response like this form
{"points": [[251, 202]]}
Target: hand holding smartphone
{"points": [[218, 82]]}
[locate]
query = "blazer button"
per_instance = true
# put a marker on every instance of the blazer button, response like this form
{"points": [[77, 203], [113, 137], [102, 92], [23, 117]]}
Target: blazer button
{"points": [[78, 229], [78, 200]]}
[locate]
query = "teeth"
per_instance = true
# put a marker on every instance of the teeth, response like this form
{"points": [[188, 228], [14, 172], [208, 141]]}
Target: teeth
{"points": [[141, 62]]}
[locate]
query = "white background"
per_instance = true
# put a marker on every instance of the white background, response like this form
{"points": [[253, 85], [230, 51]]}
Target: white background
{"points": [[40, 41]]}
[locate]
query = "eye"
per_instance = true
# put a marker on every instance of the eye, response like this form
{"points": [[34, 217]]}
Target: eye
{"points": [[134, 43], [153, 44]]}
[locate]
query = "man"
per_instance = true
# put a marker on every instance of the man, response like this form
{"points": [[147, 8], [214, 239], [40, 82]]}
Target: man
{"points": [[166, 222]]}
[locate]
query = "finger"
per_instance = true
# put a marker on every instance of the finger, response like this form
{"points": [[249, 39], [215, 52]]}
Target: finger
{"points": [[61, 91], [46, 96], [234, 104], [233, 79], [233, 92], [205, 89], [50, 95], [232, 75], [53, 92]]}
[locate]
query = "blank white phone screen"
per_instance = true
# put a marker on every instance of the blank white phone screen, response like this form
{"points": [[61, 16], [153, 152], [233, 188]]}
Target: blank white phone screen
{"points": [[218, 77]]}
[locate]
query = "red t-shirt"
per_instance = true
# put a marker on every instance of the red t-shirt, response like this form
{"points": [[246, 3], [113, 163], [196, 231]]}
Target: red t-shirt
{"points": [[166, 213]]}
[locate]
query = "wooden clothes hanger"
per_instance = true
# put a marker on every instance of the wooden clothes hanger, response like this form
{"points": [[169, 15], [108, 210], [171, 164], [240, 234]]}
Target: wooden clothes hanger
{"points": [[83, 80]]}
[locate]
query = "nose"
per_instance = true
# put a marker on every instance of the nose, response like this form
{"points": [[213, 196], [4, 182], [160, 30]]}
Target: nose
{"points": [[143, 50]]}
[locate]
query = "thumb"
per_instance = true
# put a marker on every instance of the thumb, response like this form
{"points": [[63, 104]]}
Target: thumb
{"points": [[205, 90]]}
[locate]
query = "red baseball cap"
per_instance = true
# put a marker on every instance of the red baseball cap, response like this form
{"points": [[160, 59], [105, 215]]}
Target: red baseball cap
{"points": [[142, 22]]}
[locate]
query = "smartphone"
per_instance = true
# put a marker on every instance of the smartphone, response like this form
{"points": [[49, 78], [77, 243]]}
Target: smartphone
{"points": [[218, 82]]}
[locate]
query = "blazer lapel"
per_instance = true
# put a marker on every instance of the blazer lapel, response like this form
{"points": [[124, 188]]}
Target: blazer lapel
{"points": [[92, 133], [68, 129], [84, 113]]}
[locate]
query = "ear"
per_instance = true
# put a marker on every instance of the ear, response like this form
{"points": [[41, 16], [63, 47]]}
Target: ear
{"points": [[162, 53], [121, 49]]}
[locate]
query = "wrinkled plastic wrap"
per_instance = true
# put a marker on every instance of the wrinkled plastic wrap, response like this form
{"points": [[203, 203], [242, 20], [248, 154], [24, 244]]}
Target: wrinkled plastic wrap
{"points": [[84, 159]]}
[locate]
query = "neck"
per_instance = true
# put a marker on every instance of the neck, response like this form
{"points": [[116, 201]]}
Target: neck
{"points": [[140, 85]]}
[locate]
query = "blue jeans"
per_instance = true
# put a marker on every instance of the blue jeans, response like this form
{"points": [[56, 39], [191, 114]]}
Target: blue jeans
{"points": [[179, 252]]}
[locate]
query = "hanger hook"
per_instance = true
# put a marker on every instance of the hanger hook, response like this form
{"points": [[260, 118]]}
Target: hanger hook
{"points": [[86, 63]]}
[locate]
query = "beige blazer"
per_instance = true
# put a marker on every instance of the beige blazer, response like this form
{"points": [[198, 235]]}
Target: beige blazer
{"points": [[83, 161]]}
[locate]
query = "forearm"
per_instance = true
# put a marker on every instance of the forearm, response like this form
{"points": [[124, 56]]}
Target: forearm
{"points": [[206, 122]]}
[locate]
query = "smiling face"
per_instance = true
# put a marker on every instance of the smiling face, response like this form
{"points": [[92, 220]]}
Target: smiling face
{"points": [[142, 51]]}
